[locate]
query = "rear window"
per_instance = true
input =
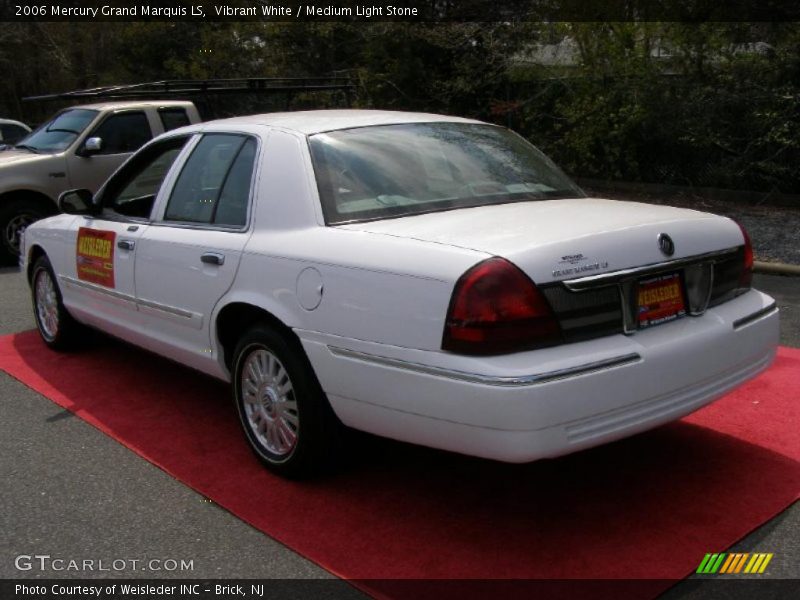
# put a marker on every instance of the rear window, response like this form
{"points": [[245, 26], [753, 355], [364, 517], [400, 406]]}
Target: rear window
{"points": [[389, 171]]}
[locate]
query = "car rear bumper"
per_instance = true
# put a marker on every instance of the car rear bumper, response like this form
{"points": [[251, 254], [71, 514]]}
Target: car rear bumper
{"points": [[548, 402]]}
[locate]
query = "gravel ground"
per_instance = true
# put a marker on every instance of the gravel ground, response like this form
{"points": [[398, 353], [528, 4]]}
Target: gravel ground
{"points": [[775, 230]]}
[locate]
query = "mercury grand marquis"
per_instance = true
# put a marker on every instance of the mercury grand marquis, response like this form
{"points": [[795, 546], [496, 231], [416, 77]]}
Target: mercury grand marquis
{"points": [[432, 279]]}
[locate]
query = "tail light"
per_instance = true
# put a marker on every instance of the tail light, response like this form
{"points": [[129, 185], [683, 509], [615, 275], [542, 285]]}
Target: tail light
{"points": [[746, 277], [497, 309]]}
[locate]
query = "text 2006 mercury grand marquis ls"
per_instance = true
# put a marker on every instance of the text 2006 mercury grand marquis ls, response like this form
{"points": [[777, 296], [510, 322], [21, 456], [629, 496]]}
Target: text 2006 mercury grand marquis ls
{"points": [[427, 278]]}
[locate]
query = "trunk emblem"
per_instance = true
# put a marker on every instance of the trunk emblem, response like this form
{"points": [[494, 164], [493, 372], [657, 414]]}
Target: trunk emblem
{"points": [[572, 258], [665, 244], [571, 266]]}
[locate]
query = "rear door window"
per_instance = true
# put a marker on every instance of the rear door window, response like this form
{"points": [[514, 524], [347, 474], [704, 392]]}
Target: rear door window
{"points": [[231, 208], [214, 185], [172, 118]]}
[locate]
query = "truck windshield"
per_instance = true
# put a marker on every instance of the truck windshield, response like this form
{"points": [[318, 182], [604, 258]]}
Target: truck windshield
{"points": [[386, 171], [58, 133]]}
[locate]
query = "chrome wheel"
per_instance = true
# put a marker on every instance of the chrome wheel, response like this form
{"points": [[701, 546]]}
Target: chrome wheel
{"points": [[269, 402], [15, 228], [46, 304]]}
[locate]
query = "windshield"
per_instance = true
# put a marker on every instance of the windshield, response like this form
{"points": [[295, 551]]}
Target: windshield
{"points": [[57, 134], [397, 170]]}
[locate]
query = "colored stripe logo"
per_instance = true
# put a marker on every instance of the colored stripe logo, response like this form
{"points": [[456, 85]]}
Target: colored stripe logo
{"points": [[734, 562]]}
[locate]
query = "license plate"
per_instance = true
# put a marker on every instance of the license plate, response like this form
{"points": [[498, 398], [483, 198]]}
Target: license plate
{"points": [[659, 299]]}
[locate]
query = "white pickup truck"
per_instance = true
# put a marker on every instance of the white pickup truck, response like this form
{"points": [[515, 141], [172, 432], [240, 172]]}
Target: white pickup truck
{"points": [[78, 148]]}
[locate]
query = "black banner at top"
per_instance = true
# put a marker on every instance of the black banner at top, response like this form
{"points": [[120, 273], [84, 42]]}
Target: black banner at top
{"points": [[400, 10]]}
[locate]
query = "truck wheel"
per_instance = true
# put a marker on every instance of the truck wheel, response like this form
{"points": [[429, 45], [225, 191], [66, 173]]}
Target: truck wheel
{"points": [[15, 216], [56, 326], [284, 412]]}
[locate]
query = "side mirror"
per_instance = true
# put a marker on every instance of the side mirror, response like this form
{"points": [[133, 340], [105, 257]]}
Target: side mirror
{"points": [[77, 202], [92, 145]]}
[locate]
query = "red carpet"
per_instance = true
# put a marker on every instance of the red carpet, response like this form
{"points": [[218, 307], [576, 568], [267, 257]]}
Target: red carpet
{"points": [[648, 507]]}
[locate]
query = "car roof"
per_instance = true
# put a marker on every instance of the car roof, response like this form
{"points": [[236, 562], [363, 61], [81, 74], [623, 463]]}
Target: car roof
{"points": [[132, 104], [309, 122]]}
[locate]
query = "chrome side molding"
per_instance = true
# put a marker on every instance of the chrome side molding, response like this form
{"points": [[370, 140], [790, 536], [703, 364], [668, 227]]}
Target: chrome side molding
{"points": [[97, 288], [522, 380], [128, 297]]}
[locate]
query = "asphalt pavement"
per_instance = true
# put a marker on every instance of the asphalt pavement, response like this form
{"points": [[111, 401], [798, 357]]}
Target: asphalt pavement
{"points": [[70, 491]]}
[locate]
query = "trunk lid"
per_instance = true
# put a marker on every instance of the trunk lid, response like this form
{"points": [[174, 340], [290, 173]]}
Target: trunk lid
{"points": [[555, 240]]}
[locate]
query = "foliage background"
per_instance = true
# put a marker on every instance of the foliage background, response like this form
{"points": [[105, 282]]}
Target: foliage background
{"points": [[710, 104]]}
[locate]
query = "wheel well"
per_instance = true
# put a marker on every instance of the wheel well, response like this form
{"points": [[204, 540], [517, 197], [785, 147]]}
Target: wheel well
{"points": [[33, 256], [237, 317], [41, 200]]}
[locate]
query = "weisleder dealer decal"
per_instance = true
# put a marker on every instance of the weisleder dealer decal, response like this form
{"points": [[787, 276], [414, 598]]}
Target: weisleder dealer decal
{"points": [[94, 255]]}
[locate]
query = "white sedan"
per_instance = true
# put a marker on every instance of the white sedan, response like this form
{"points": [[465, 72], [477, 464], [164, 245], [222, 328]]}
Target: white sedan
{"points": [[427, 278]]}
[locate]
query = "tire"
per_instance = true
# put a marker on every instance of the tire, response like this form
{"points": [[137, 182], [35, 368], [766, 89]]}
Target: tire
{"points": [[284, 413], [56, 326], [15, 216]]}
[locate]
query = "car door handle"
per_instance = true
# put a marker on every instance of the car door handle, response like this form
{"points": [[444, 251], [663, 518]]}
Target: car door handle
{"points": [[126, 244], [213, 258]]}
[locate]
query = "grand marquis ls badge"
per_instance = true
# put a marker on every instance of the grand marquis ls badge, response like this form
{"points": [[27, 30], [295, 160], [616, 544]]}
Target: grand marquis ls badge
{"points": [[570, 264], [665, 244]]}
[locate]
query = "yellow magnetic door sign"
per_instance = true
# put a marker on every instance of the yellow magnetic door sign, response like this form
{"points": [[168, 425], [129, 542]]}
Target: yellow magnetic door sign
{"points": [[94, 255]]}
